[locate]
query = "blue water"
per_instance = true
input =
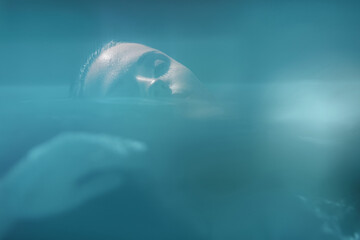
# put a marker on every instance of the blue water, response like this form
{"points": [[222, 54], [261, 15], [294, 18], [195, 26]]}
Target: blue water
{"points": [[271, 153], [275, 172]]}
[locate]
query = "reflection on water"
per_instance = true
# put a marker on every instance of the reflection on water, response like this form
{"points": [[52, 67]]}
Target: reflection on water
{"points": [[256, 161]]}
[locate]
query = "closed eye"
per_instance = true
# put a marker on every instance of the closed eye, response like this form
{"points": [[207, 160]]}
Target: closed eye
{"points": [[153, 65], [161, 67]]}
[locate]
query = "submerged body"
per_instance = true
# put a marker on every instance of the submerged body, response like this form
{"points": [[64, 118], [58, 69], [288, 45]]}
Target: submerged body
{"points": [[227, 176]]}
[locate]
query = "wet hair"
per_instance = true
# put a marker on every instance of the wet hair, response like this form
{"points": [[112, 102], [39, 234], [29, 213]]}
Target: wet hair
{"points": [[77, 87]]}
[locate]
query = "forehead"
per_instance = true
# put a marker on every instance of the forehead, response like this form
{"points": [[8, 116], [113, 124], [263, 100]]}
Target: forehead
{"points": [[118, 58], [125, 50]]}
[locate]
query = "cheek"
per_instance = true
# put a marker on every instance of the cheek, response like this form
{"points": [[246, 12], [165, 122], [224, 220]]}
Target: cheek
{"points": [[180, 79]]}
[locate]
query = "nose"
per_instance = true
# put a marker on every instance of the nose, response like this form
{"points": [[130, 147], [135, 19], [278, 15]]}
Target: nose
{"points": [[159, 88]]}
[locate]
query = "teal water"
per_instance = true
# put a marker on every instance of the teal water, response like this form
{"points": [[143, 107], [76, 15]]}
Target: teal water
{"points": [[256, 168], [272, 153]]}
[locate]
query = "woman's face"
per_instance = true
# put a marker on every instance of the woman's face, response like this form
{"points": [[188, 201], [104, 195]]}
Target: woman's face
{"points": [[131, 69]]}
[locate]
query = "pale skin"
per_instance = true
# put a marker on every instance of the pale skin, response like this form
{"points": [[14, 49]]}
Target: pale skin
{"points": [[136, 70]]}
